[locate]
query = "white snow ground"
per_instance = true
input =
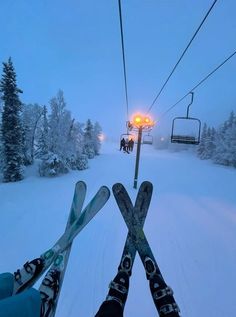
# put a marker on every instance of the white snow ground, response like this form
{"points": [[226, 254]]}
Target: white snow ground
{"points": [[191, 227]]}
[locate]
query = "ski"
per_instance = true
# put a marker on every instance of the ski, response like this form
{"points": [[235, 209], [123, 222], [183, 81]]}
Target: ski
{"points": [[60, 264], [33, 270], [118, 287], [162, 294], [140, 208]]}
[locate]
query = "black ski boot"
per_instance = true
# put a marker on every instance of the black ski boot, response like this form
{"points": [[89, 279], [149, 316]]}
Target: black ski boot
{"points": [[118, 291], [161, 293], [49, 290], [24, 276], [120, 285]]}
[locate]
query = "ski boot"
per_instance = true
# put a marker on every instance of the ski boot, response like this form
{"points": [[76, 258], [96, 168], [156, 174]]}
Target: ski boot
{"points": [[161, 293], [49, 290], [120, 285], [26, 275]]}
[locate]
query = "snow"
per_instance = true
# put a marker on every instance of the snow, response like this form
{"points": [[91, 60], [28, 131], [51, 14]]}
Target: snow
{"points": [[191, 227]]}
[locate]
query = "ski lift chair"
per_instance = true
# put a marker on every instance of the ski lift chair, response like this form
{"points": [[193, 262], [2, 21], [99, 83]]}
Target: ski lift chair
{"points": [[148, 139], [128, 136], [189, 131]]}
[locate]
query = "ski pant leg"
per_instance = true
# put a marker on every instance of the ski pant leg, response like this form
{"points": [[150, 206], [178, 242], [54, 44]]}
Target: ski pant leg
{"points": [[6, 285], [110, 308], [25, 304]]}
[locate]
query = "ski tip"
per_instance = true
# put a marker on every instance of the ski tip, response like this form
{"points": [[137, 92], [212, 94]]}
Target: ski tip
{"points": [[106, 191], [80, 184], [117, 187], [146, 185]]}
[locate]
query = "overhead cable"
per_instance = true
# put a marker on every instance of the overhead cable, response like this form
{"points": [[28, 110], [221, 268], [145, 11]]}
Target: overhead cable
{"points": [[123, 56], [200, 83], [182, 55]]}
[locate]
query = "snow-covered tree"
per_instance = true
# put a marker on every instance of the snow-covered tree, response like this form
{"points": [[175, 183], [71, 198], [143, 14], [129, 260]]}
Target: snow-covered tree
{"points": [[225, 152], [1, 143], [202, 146], [30, 118], [11, 125], [59, 123], [89, 148], [76, 159], [64, 141], [97, 138], [231, 137], [43, 136], [209, 144]]}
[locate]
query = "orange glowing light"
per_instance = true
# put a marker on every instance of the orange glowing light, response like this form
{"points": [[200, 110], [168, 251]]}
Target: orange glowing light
{"points": [[137, 119]]}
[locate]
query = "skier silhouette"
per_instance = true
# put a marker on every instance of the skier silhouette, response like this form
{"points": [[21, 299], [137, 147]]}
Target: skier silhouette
{"points": [[122, 144]]}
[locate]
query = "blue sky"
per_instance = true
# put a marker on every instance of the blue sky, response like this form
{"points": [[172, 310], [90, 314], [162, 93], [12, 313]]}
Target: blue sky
{"points": [[75, 46]]}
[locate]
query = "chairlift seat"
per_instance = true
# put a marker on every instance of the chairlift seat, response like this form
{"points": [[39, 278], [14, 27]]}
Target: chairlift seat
{"points": [[184, 139], [127, 136], [148, 139]]}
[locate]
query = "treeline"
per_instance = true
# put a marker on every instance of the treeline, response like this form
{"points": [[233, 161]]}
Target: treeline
{"points": [[29, 132], [219, 145]]}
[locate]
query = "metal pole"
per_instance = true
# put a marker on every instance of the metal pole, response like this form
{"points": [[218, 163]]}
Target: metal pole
{"points": [[137, 157]]}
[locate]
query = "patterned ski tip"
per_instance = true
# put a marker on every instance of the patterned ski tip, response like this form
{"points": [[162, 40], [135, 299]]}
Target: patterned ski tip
{"points": [[105, 191], [146, 187], [146, 184], [117, 188]]}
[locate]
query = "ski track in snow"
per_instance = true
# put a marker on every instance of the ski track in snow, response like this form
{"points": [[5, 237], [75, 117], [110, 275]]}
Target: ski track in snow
{"points": [[191, 227]]}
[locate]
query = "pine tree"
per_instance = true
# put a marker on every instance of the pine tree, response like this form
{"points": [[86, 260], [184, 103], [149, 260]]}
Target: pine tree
{"points": [[43, 142], [232, 144], [222, 142], [228, 148], [31, 116], [209, 144], [1, 144], [11, 125], [202, 146], [97, 138], [89, 148]]}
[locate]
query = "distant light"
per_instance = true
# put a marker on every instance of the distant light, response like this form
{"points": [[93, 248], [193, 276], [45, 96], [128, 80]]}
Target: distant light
{"points": [[101, 137], [162, 139]]}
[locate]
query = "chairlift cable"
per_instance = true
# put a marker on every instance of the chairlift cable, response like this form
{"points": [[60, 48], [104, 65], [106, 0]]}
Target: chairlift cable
{"points": [[182, 55], [197, 85], [123, 58]]}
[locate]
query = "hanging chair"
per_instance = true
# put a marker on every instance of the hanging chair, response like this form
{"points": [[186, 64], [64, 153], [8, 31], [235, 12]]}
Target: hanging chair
{"points": [[148, 139], [186, 130]]}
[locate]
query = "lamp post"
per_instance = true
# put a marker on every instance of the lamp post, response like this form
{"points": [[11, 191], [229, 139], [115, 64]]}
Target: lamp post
{"points": [[140, 123], [140, 130]]}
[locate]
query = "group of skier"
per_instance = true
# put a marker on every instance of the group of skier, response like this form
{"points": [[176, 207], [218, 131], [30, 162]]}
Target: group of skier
{"points": [[127, 145]]}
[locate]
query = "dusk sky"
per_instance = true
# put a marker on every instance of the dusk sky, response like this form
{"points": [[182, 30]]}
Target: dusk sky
{"points": [[75, 46]]}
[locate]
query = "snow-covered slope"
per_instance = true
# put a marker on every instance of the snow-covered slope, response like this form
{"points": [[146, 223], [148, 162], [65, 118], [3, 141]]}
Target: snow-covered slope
{"points": [[191, 227]]}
